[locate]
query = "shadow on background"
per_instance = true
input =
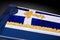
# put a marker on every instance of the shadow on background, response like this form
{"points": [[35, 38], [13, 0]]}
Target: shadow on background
{"points": [[48, 6]]}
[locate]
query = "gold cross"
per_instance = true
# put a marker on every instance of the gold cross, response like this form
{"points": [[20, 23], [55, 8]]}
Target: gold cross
{"points": [[30, 13]]}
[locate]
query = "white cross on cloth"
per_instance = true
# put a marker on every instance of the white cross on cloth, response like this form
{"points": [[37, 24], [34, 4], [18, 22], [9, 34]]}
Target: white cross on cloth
{"points": [[26, 20]]}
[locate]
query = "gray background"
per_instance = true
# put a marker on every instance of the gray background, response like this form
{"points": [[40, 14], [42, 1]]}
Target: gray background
{"points": [[39, 5]]}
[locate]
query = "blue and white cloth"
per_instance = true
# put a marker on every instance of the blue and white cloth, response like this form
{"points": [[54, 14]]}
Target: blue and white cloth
{"points": [[16, 32]]}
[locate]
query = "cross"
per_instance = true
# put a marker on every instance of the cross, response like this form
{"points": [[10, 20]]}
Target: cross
{"points": [[29, 15]]}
